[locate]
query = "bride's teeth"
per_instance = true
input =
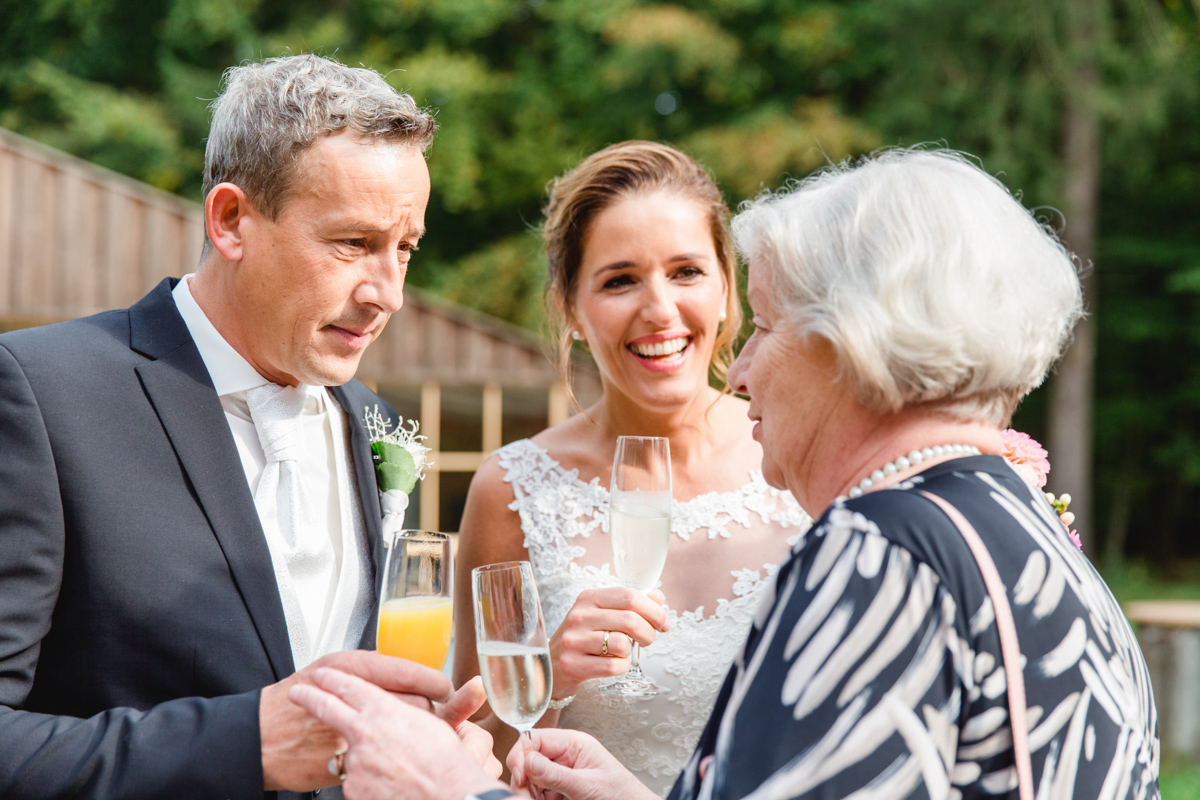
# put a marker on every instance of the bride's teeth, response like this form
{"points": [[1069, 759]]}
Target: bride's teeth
{"points": [[660, 348]]}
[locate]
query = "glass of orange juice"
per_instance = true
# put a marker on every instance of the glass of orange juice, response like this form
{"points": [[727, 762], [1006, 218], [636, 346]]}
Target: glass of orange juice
{"points": [[416, 609]]}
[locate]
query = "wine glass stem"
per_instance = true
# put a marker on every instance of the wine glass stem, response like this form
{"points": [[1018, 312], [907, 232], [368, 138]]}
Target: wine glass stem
{"points": [[635, 667]]}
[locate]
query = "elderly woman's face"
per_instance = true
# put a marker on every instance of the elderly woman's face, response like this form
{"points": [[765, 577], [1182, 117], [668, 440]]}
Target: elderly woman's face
{"points": [[792, 383], [650, 293]]}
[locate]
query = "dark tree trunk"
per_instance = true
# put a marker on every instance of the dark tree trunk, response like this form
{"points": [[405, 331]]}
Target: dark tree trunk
{"points": [[1071, 389]]}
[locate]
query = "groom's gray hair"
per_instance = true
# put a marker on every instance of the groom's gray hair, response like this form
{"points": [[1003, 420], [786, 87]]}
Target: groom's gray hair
{"points": [[272, 111], [934, 285]]}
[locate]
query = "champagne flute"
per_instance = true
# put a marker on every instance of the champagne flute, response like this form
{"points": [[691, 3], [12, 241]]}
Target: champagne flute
{"points": [[510, 639], [639, 530], [416, 607]]}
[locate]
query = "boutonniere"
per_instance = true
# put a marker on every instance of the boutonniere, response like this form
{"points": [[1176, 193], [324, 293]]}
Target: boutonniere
{"points": [[400, 461], [1032, 462]]}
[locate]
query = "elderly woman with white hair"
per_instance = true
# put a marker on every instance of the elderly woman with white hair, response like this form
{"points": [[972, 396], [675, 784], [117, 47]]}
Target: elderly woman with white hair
{"points": [[936, 634]]}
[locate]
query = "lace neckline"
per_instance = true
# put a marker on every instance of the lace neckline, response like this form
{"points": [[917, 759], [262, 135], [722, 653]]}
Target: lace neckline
{"points": [[712, 510]]}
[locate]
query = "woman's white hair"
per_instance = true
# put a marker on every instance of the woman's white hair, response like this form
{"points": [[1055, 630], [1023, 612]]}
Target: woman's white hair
{"points": [[932, 282]]}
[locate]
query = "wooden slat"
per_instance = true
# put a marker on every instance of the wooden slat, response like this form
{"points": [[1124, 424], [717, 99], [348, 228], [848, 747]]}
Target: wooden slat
{"points": [[74, 239], [493, 416], [193, 241], [9, 211], [161, 254], [1165, 613], [455, 462], [431, 427], [112, 232], [37, 258], [131, 243]]}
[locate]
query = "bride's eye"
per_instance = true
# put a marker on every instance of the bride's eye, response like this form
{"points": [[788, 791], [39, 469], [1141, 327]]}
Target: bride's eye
{"points": [[618, 282]]}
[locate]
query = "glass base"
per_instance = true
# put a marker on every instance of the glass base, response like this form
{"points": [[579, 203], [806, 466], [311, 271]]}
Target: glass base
{"points": [[636, 686]]}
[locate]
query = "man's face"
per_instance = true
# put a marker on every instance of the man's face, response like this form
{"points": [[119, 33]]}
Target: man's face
{"points": [[316, 286]]}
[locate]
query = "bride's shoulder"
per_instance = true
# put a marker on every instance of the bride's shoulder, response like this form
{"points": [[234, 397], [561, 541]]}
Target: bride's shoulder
{"points": [[561, 454], [573, 445]]}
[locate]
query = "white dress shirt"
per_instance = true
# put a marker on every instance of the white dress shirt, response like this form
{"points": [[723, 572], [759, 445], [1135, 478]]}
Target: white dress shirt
{"points": [[333, 620]]}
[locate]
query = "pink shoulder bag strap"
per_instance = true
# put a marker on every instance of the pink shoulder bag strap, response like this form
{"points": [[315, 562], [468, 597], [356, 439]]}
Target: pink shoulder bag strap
{"points": [[1010, 648]]}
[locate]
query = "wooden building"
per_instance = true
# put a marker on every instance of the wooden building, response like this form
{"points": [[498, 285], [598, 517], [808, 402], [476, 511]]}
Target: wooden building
{"points": [[76, 239]]}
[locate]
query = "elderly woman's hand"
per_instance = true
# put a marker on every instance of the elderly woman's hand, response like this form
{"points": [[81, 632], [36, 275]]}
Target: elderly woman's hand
{"points": [[397, 752], [573, 766], [594, 640]]}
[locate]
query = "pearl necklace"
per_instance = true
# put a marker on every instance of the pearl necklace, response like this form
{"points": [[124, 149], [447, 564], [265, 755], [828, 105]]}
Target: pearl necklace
{"points": [[911, 460]]}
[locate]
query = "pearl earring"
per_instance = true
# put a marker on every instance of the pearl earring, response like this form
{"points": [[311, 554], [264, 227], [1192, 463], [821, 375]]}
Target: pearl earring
{"points": [[722, 316], [577, 336]]}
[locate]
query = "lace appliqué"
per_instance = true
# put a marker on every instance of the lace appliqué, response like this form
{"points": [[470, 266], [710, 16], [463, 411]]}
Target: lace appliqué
{"points": [[653, 738]]}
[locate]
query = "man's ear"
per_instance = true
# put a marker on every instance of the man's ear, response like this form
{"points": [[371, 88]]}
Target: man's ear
{"points": [[225, 213]]}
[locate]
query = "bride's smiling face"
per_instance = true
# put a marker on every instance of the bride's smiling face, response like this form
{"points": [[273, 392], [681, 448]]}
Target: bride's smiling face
{"points": [[648, 298]]}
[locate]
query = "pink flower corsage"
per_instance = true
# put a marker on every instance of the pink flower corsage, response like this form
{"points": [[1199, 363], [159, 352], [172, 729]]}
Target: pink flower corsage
{"points": [[1027, 457], [1032, 463]]}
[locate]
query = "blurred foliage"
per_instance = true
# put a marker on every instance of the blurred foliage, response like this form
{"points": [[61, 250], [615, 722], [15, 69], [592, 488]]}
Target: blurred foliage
{"points": [[760, 90]]}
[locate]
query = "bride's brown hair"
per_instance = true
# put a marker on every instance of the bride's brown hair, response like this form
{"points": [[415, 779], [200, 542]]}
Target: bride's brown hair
{"points": [[619, 171]]}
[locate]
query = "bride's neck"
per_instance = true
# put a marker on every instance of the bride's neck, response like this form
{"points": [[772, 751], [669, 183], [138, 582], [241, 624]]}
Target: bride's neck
{"points": [[688, 426]]}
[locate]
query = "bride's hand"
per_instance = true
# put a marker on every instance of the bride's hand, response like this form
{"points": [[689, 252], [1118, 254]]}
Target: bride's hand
{"points": [[578, 646]]}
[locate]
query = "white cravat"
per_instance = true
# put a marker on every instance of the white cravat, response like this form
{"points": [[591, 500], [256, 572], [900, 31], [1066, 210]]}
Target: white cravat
{"points": [[326, 602], [294, 533]]}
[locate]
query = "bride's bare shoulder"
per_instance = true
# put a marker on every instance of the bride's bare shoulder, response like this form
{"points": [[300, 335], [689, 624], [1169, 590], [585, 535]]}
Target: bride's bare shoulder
{"points": [[574, 443]]}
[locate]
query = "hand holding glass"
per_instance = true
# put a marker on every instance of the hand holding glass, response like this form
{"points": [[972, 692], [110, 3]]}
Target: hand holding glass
{"points": [[416, 616], [639, 530], [510, 639]]}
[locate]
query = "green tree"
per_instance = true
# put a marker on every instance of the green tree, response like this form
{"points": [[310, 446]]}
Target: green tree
{"points": [[761, 91]]}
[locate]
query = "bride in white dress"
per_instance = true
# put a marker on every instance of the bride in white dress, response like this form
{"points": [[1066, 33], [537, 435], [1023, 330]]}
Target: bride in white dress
{"points": [[642, 271]]}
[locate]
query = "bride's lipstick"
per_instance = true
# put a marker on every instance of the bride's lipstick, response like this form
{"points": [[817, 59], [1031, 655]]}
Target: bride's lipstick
{"points": [[662, 352]]}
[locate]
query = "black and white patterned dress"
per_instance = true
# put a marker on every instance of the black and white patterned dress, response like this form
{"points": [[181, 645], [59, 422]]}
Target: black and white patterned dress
{"points": [[873, 669]]}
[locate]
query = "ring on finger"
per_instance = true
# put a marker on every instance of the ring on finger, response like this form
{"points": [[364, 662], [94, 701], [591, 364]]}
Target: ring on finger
{"points": [[604, 644], [337, 764]]}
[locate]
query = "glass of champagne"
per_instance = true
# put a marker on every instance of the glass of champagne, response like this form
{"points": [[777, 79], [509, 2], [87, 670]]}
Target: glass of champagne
{"points": [[510, 638], [416, 607], [639, 530]]}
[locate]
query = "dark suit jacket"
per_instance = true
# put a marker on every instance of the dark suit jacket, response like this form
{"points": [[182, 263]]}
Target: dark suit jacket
{"points": [[139, 614]]}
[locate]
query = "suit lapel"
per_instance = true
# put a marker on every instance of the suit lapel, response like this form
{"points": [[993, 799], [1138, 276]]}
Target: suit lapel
{"points": [[178, 386], [368, 493]]}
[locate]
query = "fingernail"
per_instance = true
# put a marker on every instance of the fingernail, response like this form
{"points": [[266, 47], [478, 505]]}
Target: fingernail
{"points": [[536, 764]]}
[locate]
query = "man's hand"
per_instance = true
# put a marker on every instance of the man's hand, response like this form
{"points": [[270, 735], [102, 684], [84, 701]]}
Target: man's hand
{"points": [[296, 746], [457, 714], [570, 765], [395, 751]]}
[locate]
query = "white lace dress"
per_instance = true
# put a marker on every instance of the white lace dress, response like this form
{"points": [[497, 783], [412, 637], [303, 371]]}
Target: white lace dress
{"points": [[565, 522]]}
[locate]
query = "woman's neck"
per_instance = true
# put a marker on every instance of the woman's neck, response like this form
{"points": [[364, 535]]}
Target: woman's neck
{"points": [[688, 425], [833, 467]]}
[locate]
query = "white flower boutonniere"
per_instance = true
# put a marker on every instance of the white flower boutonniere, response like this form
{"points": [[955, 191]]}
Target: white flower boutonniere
{"points": [[400, 461]]}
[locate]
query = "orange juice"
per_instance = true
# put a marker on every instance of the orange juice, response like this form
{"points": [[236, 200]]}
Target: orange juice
{"points": [[416, 628]]}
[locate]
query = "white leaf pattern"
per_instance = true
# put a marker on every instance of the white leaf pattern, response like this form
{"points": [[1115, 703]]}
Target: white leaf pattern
{"points": [[911, 701]]}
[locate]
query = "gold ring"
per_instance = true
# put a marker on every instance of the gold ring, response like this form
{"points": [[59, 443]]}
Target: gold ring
{"points": [[604, 645], [337, 765]]}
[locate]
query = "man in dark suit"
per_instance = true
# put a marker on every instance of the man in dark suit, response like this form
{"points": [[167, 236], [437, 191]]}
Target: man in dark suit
{"points": [[189, 520]]}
